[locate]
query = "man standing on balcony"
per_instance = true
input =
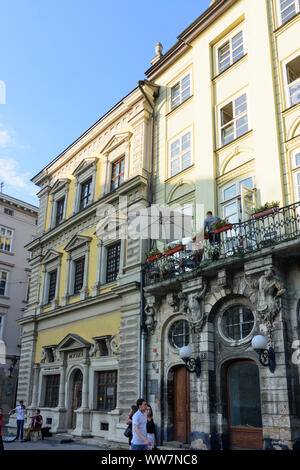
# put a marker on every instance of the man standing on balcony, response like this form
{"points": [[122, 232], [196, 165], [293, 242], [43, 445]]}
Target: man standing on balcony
{"points": [[208, 226]]}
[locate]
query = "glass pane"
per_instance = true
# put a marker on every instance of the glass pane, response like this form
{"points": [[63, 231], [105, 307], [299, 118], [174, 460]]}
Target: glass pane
{"points": [[227, 134], [244, 396], [186, 160], [237, 47], [185, 88], [175, 148], [175, 96], [241, 126], [229, 192], [231, 212], [248, 182], [179, 334], [224, 57], [297, 158], [295, 93], [288, 9], [185, 141], [240, 105]]}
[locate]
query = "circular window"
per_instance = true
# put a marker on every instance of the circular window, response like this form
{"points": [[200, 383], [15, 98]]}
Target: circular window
{"points": [[237, 322], [179, 334]]}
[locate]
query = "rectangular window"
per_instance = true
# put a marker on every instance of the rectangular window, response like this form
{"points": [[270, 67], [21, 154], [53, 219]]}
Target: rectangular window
{"points": [[180, 154], [51, 390], [52, 285], [107, 390], [6, 237], [234, 119], [78, 275], [85, 194], [231, 51], [3, 282], [233, 210], [113, 262], [288, 9], [8, 211], [117, 173], [180, 92], [293, 80], [59, 211]]}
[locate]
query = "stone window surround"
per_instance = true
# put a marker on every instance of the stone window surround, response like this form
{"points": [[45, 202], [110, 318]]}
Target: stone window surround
{"points": [[190, 130], [112, 156], [54, 370], [95, 388], [219, 107], [102, 263], [228, 38], [232, 303], [11, 240], [188, 71], [61, 190], [6, 289], [53, 264], [167, 332], [86, 170], [74, 253]]}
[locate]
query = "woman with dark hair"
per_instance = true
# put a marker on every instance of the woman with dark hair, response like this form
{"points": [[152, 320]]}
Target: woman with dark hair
{"points": [[150, 428]]}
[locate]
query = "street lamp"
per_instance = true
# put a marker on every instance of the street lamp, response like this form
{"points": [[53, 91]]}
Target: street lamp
{"points": [[192, 365], [266, 356]]}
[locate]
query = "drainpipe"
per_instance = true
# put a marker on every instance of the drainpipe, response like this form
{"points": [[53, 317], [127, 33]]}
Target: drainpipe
{"points": [[141, 83]]}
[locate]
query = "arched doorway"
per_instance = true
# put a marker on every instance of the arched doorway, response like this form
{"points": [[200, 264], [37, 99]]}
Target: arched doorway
{"points": [[181, 405], [76, 395], [244, 406]]}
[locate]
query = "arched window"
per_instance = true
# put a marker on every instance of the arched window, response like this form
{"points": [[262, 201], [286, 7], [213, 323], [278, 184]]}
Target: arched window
{"points": [[179, 334]]}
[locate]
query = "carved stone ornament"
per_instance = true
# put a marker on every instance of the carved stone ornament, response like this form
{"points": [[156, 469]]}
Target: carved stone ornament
{"points": [[114, 345], [43, 356], [195, 310], [269, 293], [173, 300], [150, 322]]}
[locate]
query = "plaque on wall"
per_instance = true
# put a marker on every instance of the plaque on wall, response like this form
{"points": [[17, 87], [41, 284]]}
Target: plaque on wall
{"points": [[154, 387]]}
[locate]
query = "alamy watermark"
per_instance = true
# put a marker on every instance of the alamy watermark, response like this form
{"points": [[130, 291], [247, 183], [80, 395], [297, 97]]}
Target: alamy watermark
{"points": [[2, 92]]}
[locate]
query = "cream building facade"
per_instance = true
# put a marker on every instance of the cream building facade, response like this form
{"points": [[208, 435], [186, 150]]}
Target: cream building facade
{"points": [[80, 343], [227, 141]]}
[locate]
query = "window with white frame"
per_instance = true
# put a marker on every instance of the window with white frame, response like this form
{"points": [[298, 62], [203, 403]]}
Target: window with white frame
{"points": [[180, 153], [231, 199], [234, 119], [3, 282], [231, 51], [6, 237], [181, 91], [288, 9], [293, 80], [297, 158]]}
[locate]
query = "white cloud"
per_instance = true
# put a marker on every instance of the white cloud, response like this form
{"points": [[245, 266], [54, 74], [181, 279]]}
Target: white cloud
{"points": [[5, 138], [14, 178]]}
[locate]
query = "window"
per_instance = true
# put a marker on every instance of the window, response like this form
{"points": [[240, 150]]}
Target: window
{"points": [[28, 289], [288, 9], [107, 390], [59, 211], [293, 80], [230, 52], [180, 154], [180, 92], [78, 275], [237, 322], [85, 194], [3, 282], [8, 211], [297, 159], [52, 285], [234, 119], [298, 185], [179, 334], [51, 390], [233, 201], [6, 237], [113, 262], [117, 174]]}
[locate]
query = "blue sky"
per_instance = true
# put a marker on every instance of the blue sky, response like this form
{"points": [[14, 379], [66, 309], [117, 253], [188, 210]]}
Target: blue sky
{"points": [[64, 64]]}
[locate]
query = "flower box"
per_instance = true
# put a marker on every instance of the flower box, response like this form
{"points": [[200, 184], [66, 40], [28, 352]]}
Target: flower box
{"points": [[223, 229], [153, 257], [174, 250], [270, 211]]}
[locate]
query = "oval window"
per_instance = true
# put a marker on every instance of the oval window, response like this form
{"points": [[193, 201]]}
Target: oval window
{"points": [[179, 334], [237, 322]]}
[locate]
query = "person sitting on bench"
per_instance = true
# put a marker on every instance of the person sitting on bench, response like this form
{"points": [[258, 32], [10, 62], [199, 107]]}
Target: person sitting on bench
{"points": [[36, 424]]}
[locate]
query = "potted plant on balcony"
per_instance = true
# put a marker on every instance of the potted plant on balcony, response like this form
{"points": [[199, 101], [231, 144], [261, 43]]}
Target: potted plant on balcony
{"points": [[165, 268], [152, 255], [266, 209], [173, 249], [221, 226]]}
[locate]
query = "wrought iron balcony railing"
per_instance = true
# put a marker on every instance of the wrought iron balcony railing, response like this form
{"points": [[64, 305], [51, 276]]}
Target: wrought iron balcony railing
{"points": [[281, 225]]}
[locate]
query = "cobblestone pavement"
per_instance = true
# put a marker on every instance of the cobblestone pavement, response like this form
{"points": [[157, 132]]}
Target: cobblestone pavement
{"points": [[52, 443]]}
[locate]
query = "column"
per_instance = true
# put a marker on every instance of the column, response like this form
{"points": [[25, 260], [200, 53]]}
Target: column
{"points": [[85, 387], [42, 301], [62, 380], [55, 301], [65, 297], [105, 172], [96, 286], [36, 372], [84, 292]]}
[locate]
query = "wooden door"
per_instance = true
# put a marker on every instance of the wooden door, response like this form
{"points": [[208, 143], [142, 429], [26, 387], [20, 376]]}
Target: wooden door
{"points": [[181, 405], [244, 409], [76, 395]]}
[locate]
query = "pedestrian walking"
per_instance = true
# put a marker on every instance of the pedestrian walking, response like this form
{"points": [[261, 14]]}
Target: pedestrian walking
{"points": [[139, 427], [21, 410], [36, 424], [1, 424], [129, 423], [151, 433]]}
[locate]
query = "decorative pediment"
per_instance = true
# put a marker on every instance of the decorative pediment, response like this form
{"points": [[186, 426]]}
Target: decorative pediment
{"points": [[51, 255], [85, 165], [59, 184], [115, 141], [76, 242], [72, 342]]}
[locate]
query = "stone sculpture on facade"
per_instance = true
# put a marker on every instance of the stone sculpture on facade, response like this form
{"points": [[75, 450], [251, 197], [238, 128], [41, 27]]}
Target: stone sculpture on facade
{"points": [[195, 310], [149, 310]]}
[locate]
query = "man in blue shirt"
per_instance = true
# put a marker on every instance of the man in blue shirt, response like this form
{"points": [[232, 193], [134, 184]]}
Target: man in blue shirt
{"points": [[139, 427]]}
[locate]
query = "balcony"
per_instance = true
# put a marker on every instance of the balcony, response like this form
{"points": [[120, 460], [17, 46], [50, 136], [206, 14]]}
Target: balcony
{"points": [[271, 230]]}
